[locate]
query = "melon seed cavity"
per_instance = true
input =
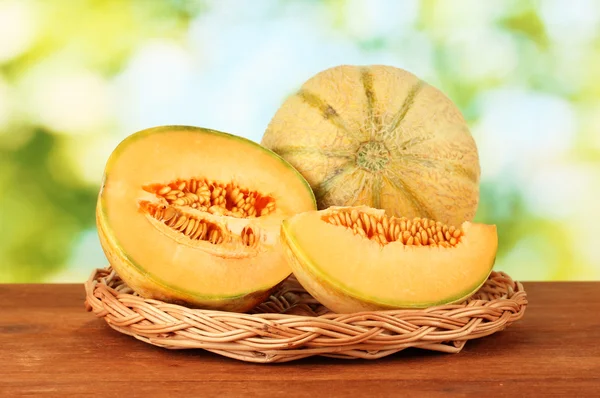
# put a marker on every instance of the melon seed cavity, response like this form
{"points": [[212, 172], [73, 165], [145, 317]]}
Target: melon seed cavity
{"points": [[227, 199], [385, 229]]}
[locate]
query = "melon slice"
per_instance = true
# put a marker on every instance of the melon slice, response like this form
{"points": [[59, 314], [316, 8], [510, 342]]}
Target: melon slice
{"points": [[192, 216], [358, 259]]}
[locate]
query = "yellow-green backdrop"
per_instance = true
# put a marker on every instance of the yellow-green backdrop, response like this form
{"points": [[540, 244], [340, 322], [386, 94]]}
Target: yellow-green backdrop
{"points": [[77, 76]]}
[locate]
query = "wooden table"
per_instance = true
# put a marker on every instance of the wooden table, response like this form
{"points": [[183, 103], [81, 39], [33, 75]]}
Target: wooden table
{"points": [[49, 345]]}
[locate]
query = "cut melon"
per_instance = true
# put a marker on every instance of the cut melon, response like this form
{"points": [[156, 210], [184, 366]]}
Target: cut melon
{"points": [[192, 216], [382, 137], [355, 259]]}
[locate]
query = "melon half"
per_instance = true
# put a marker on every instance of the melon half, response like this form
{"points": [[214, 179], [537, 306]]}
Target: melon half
{"points": [[192, 216], [355, 259]]}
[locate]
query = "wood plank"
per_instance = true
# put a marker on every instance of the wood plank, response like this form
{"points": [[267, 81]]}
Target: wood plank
{"points": [[49, 345]]}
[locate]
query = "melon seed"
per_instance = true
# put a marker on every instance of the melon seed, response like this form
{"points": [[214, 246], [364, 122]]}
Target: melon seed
{"points": [[164, 190]]}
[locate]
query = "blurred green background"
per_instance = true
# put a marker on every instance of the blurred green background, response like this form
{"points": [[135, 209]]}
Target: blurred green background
{"points": [[76, 77]]}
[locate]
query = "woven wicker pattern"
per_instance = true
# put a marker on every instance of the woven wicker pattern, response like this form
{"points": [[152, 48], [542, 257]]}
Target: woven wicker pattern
{"points": [[292, 325]]}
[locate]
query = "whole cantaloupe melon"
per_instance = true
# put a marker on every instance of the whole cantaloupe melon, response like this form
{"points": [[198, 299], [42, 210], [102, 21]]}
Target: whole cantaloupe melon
{"points": [[379, 136]]}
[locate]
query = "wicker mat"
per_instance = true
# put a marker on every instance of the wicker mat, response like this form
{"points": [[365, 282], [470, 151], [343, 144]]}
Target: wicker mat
{"points": [[293, 325]]}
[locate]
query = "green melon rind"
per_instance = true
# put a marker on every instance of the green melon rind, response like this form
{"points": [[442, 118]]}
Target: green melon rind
{"points": [[318, 275], [102, 223]]}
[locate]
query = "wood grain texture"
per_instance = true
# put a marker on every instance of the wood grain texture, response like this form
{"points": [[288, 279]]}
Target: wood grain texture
{"points": [[50, 346]]}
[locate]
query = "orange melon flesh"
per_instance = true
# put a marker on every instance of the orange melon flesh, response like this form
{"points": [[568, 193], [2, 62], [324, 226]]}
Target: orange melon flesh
{"points": [[349, 273], [161, 263]]}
